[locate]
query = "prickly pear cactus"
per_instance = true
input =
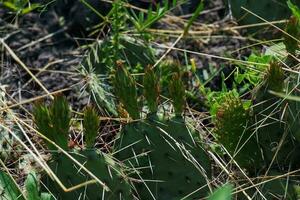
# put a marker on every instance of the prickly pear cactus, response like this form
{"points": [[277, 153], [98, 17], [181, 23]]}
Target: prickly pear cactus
{"points": [[291, 85], [273, 128], [170, 162], [232, 131], [280, 188], [101, 165], [56, 127], [293, 31], [279, 10], [99, 61]]}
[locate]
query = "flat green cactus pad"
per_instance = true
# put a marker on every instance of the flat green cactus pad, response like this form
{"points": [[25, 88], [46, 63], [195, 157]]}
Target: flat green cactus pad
{"points": [[232, 132], [161, 150], [267, 9], [100, 165]]}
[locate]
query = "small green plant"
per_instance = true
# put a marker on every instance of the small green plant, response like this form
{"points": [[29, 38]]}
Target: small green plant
{"points": [[8, 144], [32, 189], [10, 190], [8, 187], [21, 7]]}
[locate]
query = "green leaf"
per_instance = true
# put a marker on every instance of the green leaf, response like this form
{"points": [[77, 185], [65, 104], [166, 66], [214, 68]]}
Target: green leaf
{"points": [[32, 187], [30, 8], [294, 8], [46, 196], [8, 188], [223, 193], [142, 21], [194, 17], [22, 6]]}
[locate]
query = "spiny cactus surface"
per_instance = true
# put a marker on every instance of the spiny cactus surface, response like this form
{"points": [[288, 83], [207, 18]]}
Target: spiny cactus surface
{"points": [[99, 62], [101, 165], [169, 162], [271, 119], [231, 130], [279, 10], [71, 174]]}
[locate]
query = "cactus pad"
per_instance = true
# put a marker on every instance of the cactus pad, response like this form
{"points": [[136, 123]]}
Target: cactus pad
{"points": [[231, 130], [100, 165], [170, 164], [69, 173]]}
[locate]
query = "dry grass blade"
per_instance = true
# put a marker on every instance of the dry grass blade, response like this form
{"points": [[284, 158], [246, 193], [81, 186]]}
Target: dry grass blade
{"points": [[17, 59]]}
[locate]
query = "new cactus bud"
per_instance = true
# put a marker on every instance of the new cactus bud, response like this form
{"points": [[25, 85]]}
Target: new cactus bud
{"points": [[151, 89], [274, 78], [232, 132], [90, 125], [293, 34], [126, 90], [177, 94], [54, 121]]}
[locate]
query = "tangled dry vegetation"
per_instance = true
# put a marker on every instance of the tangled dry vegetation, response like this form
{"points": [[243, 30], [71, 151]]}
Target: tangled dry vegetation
{"points": [[145, 100]]}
